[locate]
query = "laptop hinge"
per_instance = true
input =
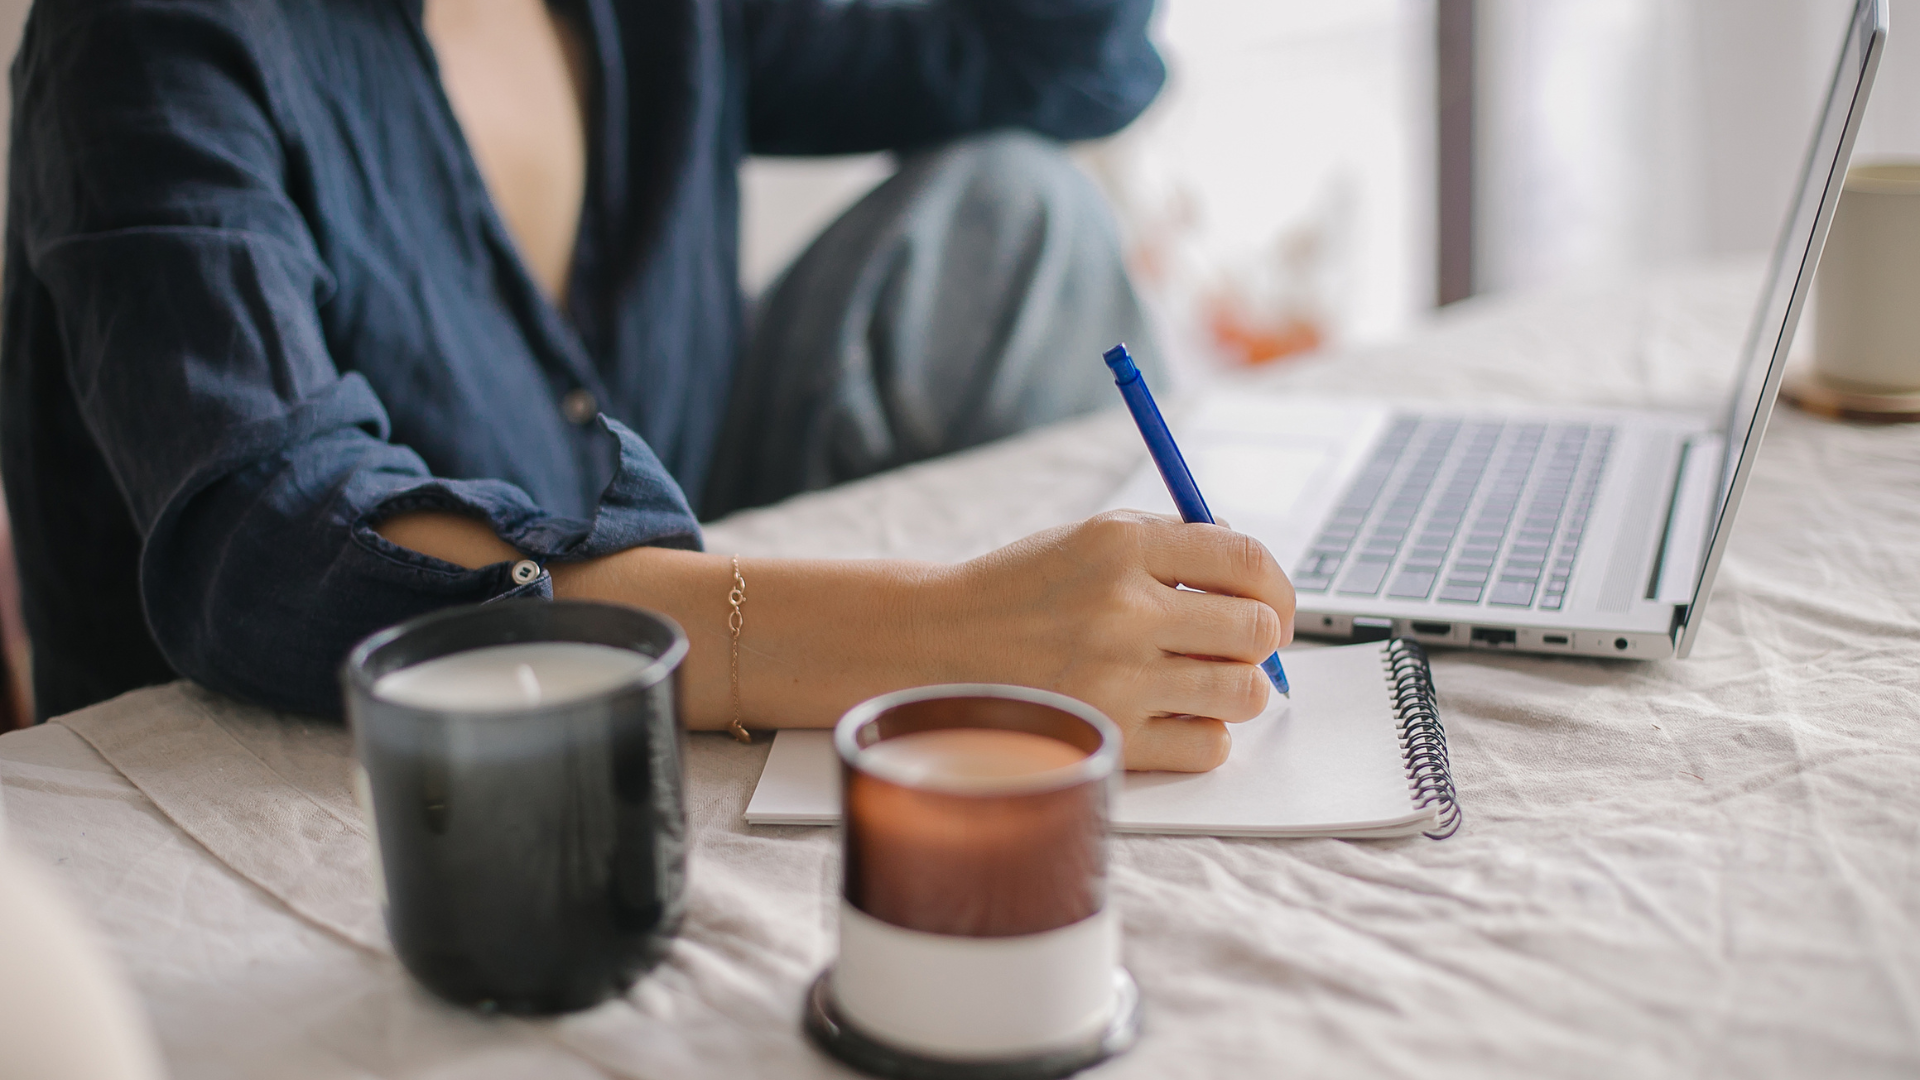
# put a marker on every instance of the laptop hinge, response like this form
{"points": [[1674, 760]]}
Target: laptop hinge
{"points": [[1684, 543]]}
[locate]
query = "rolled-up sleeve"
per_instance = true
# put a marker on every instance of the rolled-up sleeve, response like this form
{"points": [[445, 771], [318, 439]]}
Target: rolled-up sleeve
{"points": [[846, 76], [187, 289]]}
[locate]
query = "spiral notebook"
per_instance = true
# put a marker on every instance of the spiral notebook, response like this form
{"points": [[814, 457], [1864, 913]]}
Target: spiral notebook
{"points": [[1359, 752]]}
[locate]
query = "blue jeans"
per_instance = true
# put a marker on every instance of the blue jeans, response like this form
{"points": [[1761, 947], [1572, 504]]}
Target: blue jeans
{"points": [[967, 298]]}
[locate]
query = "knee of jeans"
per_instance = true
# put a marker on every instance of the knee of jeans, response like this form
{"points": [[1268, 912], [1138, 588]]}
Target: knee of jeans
{"points": [[1017, 167]]}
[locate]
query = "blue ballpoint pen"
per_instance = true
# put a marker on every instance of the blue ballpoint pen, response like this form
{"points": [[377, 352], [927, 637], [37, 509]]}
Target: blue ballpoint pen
{"points": [[1173, 467]]}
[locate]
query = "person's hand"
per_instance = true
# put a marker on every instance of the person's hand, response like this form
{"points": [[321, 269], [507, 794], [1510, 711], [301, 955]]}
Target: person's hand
{"points": [[1093, 611]]}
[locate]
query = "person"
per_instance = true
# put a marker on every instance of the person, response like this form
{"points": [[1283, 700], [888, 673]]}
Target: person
{"points": [[324, 314]]}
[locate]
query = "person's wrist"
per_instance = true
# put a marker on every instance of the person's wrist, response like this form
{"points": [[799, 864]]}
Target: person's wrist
{"points": [[916, 634], [953, 636]]}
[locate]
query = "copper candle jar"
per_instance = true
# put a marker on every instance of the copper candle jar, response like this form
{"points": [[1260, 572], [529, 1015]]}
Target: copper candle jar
{"points": [[975, 934]]}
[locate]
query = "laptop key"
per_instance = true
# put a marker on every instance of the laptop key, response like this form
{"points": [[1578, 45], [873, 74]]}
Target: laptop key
{"points": [[1412, 584], [1458, 593], [1312, 583], [1511, 593], [1364, 579]]}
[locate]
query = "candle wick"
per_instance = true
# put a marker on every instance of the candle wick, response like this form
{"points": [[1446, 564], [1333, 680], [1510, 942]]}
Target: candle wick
{"points": [[529, 683]]}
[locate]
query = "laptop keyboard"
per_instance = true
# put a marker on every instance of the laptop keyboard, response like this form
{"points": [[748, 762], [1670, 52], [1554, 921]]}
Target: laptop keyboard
{"points": [[1464, 512]]}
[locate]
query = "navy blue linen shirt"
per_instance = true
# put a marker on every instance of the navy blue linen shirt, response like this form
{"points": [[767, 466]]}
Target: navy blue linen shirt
{"points": [[257, 299]]}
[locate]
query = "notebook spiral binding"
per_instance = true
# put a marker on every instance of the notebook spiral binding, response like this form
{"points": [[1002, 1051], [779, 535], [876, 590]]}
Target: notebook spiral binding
{"points": [[1423, 741]]}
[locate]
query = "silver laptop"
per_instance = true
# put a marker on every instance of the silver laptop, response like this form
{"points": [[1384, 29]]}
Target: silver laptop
{"points": [[1589, 531]]}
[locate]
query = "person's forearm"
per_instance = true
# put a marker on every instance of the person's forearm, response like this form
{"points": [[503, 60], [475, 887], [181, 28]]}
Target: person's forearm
{"points": [[1092, 610], [817, 638], [461, 541]]}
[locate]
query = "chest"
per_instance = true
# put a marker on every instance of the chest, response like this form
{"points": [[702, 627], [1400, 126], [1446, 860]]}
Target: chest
{"points": [[515, 73], [437, 271]]}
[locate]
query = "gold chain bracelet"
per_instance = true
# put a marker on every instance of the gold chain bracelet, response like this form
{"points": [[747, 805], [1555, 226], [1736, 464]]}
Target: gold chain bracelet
{"points": [[735, 620]]}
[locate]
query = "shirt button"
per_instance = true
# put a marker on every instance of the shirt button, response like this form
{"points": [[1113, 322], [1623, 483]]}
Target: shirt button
{"points": [[525, 571], [579, 406]]}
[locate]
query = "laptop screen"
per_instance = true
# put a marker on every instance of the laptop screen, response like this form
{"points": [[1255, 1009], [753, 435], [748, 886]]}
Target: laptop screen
{"points": [[1763, 361]]}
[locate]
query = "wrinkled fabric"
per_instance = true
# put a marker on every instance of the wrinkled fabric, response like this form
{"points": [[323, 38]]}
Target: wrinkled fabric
{"points": [[1676, 870], [257, 299]]}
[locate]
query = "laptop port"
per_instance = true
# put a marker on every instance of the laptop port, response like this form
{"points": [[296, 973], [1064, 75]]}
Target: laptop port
{"points": [[1553, 639], [1433, 629], [1487, 635], [1365, 629], [1620, 643]]}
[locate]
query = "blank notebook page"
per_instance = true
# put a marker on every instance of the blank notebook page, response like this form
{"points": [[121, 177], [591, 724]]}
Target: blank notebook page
{"points": [[1326, 763]]}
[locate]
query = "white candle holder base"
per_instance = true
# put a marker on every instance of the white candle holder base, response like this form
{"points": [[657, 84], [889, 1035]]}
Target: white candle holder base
{"points": [[841, 1040]]}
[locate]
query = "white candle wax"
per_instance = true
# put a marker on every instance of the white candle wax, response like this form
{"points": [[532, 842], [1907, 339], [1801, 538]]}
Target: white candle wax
{"points": [[502, 677]]}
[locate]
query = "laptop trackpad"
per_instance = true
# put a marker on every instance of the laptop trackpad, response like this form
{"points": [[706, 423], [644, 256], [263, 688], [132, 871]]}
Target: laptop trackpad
{"points": [[1246, 480], [1270, 466], [1249, 480]]}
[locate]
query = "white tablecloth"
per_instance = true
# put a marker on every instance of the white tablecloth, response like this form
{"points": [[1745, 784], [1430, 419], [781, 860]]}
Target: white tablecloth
{"points": [[1696, 868]]}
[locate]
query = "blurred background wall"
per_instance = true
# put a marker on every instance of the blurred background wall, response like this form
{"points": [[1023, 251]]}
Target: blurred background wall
{"points": [[1622, 134]]}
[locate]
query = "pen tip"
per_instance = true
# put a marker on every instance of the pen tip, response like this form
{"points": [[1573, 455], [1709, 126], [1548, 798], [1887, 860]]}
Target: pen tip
{"points": [[1121, 362]]}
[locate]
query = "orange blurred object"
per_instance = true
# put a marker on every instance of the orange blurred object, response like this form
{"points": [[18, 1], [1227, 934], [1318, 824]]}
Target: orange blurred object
{"points": [[1253, 342]]}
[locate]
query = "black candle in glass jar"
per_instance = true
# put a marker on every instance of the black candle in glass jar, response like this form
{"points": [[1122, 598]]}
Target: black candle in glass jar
{"points": [[521, 765]]}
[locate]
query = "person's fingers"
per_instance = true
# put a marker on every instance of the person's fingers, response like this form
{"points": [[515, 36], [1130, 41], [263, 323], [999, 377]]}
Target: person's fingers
{"points": [[1217, 560], [1221, 689], [1132, 518], [1212, 624], [1178, 744]]}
